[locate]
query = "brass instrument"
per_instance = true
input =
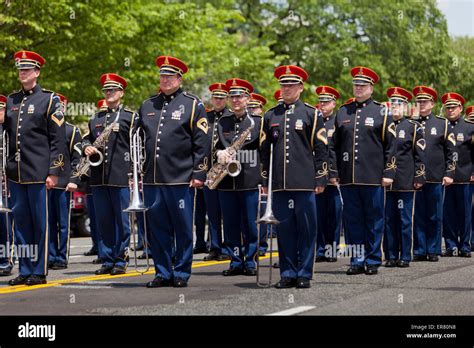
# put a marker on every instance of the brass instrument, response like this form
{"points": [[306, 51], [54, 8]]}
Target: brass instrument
{"points": [[138, 157], [3, 176], [219, 171], [269, 220], [96, 159]]}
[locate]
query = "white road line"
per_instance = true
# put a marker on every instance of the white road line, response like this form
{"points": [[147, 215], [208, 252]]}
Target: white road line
{"points": [[293, 311], [80, 246]]}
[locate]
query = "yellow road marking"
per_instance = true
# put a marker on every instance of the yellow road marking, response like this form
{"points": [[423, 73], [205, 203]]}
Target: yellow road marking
{"points": [[59, 282]]}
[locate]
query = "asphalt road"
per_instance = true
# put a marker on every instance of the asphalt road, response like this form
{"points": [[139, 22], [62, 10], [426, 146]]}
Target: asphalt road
{"points": [[425, 288]]}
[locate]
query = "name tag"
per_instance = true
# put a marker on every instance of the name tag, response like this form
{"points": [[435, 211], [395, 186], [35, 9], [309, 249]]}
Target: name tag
{"points": [[346, 121], [150, 114]]}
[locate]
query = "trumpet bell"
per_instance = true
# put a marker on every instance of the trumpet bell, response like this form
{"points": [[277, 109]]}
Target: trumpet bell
{"points": [[234, 168]]}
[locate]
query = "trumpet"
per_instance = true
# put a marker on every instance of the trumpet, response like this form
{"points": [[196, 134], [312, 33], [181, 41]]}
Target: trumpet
{"points": [[3, 175], [269, 220], [138, 157]]}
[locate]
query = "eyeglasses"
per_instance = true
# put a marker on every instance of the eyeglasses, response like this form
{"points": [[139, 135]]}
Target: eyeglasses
{"points": [[110, 90]]}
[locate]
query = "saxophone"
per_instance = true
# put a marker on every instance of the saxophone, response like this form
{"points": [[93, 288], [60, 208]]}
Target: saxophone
{"points": [[99, 143], [219, 171]]}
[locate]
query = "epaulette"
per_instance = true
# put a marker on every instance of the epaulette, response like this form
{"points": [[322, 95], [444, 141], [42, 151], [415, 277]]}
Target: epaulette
{"points": [[192, 96], [130, 111], [378, 103], [70, 124], [46, 90], [311, 106], [441, 118], [14, 92], [349, 102], [273, 107], [469, 121], [255, 115], [415, 122]]}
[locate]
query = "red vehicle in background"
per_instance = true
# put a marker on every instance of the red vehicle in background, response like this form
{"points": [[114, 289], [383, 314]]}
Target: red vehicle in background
{"points": [[80, 222]]}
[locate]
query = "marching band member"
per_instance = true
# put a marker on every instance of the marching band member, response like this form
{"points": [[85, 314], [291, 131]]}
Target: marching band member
{"points": [[238, 195], [109, 179], [299, 170], [219, 97], [60, 199], [457, 218], [440, 167], [328, 203], [35, 126], [177, 150], [470, 117], [410, 176], [362, 163]]}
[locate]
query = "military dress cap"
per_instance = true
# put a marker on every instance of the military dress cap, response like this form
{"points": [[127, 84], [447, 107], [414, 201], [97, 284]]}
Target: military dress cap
{"points": [[238, 87], [425, 93], [62, 98], [277, 95], [290, 74], [3, 101], [171, 66], [399, 94], [256, 101], [112, 81], [219, 90], [28, 60], [102, 105], [364, 76], [327, 93], [470, 111], [452, 99]]}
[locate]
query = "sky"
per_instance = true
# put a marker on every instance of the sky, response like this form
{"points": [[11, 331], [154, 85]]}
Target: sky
{"points": [[460, 16]]}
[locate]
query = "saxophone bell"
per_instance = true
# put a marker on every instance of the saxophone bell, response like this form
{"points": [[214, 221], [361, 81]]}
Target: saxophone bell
{"points": [[95, 159], [234, 168]]}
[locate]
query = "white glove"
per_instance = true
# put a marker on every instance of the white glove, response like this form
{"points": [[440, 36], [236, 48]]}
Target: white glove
{"points": [[223, 156]]}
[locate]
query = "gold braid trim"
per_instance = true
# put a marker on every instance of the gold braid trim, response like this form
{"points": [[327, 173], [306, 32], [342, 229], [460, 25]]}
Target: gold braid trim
{"points": [[392, 164], [421, 171], [203, 167], [59, 163], [322, 172]]}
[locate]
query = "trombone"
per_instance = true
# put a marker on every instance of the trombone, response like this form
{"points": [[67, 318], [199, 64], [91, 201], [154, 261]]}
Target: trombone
{"points": [[137, 156], [269, 220]]}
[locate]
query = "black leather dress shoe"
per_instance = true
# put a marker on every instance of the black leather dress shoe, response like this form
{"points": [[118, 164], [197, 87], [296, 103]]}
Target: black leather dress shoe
{"points": [[331, 259], [97, 261], [104, 270], [5, 271], [320, 259], [212, 256], [448, 253], [223, 257], [391, 263], [36, 280], [276, 265], [158, 282], [91, 252], [250, 271], [180, 283], [303, 283], [59, 265], [403, 264], [200, 250], [465, 254], [433, 258], [371, 270], [233, 271], [50, 265], [419, 258], [286, 283], [18, 280], [353, 270], [118, 270]]}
